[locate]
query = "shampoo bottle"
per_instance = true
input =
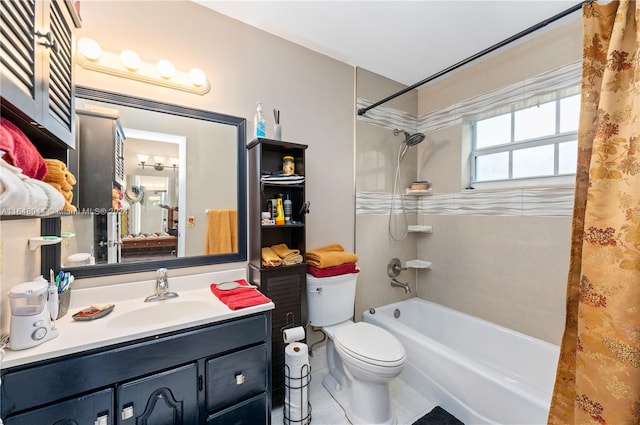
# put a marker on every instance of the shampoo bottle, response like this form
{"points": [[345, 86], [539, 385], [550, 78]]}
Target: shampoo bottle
{"points": [[259, 124], [287, 210], [280, 215]]}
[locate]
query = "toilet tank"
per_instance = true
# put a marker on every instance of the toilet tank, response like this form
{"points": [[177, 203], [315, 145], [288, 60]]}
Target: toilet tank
{"points": [[331, 300]]}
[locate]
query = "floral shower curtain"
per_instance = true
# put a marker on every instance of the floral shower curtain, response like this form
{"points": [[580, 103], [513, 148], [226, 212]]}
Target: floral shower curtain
{"points": [[598, 376]]}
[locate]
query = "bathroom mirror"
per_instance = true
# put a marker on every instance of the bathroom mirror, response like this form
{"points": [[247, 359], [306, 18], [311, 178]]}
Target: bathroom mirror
{"points": [[164, 215]]}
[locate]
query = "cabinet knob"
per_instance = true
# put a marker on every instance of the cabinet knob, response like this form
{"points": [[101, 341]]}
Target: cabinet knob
{"points": [[48, 41], [239, 379]]}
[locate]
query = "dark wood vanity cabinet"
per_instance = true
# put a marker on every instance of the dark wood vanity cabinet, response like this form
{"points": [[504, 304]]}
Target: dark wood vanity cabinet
{"points": [[285, 284], [37, 68], [213, 374]]}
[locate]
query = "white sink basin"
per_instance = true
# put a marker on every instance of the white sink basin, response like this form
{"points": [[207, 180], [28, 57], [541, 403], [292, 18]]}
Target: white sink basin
{"points": [[158, 312]]}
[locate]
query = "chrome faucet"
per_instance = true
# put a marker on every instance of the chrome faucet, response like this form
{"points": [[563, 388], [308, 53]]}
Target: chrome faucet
{"points": [[162, 287], [396, 283]]}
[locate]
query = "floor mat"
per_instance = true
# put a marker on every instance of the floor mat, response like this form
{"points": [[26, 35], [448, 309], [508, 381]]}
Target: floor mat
{"points": [[438, 416]]}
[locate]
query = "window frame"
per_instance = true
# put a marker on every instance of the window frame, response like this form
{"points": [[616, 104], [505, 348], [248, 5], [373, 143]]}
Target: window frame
{"points": [[512, 146]]}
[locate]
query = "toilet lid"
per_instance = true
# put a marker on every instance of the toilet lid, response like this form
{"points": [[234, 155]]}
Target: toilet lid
{"points": [[371, 344]]}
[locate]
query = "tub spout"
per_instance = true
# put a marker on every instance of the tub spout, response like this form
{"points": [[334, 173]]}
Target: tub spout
{"points": [[405, 286]]}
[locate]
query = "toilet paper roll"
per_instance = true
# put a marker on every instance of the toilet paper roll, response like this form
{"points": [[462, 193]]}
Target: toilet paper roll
{"points": [[296, 381], [293, 334]]}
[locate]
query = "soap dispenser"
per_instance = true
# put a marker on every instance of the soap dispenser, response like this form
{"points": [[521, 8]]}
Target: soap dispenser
{"points": [[259, 124]]}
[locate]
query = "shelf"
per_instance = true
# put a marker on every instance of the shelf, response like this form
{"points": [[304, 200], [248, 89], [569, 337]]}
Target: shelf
{"points": [[38, 241], [417, 228], [281, 226], [418, 264], [422, 192]]}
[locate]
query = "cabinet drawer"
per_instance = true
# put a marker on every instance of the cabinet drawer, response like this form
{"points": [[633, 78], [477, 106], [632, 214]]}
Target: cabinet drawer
{"points": [[90, 409], [250, 412], [236, 377]]}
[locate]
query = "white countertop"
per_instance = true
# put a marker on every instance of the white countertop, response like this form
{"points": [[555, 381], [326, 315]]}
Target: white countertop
{"points": [[76, 336]]}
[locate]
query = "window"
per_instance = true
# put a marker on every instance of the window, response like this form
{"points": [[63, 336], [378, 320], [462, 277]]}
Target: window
{"points": [[522, 144]]}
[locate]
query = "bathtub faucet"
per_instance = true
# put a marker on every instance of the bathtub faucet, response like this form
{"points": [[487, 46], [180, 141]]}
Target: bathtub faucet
{"points": [[395, 282]]}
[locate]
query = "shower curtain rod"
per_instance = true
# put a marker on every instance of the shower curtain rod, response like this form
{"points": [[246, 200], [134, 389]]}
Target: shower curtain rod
{"points": [[496, 46]]}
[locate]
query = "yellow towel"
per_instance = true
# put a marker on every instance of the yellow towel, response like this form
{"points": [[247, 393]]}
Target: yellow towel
{"points": [[283, 251], [292, 259], [330, 255], [270, 258], [55, 164], [57, 176], [222, 232]]}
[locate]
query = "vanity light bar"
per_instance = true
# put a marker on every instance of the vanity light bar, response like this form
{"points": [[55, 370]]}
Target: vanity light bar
{"points": [[128, 64]]}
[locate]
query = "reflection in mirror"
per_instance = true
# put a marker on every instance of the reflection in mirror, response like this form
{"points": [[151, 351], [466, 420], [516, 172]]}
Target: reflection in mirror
{"points": [[179, 167]]}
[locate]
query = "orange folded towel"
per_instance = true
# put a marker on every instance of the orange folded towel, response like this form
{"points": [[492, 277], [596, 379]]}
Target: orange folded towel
{"points": [[284, 252], [330, 255], [239, 298], [270, 258]]}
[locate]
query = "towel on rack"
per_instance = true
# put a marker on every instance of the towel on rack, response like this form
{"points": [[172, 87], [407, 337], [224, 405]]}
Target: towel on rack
{"points": [[345, 268], [270, 258], [239, 298], [222, 232], [330, 255], [20, 152]]}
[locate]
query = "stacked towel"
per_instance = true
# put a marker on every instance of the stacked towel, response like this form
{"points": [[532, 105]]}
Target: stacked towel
{"points": [[239, 298], [22, 195], [59, 177], [20, 152], [330, 255], [331, 260], [270, 258], [289, 256]]}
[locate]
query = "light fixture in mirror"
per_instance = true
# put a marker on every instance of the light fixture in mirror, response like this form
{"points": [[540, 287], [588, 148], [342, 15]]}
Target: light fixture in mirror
{"points": [[143, 159], [128, 64], [213, 143]]}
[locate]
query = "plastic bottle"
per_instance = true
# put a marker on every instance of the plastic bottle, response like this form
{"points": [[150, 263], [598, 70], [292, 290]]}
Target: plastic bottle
{"points": [[259, 124], [288, 206], [280, 215]]}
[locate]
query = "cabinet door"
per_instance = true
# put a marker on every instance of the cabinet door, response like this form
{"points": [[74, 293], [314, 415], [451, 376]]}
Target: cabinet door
{"points": [[37, 63], [58, 95], [20, 73], [92, 409], [166, 398]]}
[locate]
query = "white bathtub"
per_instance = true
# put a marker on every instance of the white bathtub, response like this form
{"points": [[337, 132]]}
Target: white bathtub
{"points": [[480, 372]]}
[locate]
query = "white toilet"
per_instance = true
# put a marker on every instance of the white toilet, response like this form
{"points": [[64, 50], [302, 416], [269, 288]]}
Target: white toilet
{"points": [[362, 358]]}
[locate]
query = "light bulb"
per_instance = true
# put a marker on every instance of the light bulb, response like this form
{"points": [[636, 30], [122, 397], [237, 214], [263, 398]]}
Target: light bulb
{"points": [[130, 60], [165, 68], [89, 48], [197, 77]]}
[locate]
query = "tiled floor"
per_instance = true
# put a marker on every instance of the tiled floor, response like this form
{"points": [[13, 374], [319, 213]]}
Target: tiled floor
{"points": [[407, 402]]}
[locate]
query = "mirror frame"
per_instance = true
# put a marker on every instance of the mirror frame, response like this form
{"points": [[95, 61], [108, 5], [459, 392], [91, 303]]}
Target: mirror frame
{"points": [[192, 261]]}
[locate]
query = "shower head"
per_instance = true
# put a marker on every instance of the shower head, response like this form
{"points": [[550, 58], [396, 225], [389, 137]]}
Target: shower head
{"points": [[410, 139]]}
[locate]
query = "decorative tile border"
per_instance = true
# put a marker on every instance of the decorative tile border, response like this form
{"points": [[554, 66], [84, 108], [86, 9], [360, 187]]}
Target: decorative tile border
{"points": [[541, 202]]}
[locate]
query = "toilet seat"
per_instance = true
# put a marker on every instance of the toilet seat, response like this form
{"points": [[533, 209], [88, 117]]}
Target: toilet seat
{"points": [[370, 344]]}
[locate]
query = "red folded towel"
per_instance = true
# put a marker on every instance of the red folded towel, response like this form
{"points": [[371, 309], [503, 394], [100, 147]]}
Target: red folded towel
{"points": [[20, 152], [345, 268], [239, 298]]}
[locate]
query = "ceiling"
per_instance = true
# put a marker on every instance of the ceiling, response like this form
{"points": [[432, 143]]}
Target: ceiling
{"points": [[406, 41]]}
